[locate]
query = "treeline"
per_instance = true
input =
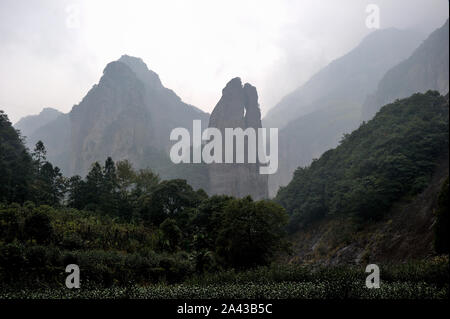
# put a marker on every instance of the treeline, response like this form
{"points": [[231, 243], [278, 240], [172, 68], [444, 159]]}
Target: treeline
{"points": [[25, 176], [15, 164], [390, 157], [36, 243], [121, 225]]}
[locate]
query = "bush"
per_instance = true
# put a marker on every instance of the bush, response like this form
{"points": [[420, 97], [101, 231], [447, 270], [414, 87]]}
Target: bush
{"points": [[12, 262], [9, 224], [38, 227], [441, 228], [250, 233]]}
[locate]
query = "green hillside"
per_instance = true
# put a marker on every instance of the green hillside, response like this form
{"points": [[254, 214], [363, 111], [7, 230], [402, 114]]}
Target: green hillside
{"points": [[390, 157]]}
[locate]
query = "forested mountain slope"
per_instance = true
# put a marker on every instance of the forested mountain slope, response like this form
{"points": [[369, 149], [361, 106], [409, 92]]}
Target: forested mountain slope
{"points": [[406, 232], [14, 159], [391, 156], [386, 165]]}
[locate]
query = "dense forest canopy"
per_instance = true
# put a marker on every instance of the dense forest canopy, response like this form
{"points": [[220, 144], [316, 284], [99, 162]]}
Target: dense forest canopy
{"points": [[391, 156], [13, 159], [121, 225]]}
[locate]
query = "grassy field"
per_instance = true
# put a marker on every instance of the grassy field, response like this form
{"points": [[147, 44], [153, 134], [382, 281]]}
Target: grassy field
{"points": [[282, 290], [414, 280]]}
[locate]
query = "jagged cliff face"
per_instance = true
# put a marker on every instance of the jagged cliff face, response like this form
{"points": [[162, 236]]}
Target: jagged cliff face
{"points": [[129, 114], [111, 120], [237, 108], [165, 108]]}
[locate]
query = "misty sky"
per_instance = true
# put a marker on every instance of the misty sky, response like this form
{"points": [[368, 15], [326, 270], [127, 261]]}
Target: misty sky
{"points": [[52, 52]]}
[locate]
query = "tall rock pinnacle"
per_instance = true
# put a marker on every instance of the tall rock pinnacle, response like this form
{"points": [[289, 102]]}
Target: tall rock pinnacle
{"points": [[237, 108]]}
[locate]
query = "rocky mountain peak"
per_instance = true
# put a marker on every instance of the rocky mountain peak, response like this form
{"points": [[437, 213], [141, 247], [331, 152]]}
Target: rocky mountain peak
{"points": [[252, 111], [234, 85], [129, 115], [117, 74], [49, 110], [138, 66], [29, 124], [238, 107]]}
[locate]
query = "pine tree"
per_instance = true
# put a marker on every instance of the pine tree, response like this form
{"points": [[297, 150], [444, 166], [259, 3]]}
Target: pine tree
{"points": [[39, 154]]}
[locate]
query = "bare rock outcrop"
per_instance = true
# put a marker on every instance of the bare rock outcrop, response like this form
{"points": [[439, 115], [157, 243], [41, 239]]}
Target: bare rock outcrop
{"points": [[237, 108]]}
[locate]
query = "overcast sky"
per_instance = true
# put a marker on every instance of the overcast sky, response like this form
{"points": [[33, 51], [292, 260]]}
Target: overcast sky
{"points": [[53, 51]]}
